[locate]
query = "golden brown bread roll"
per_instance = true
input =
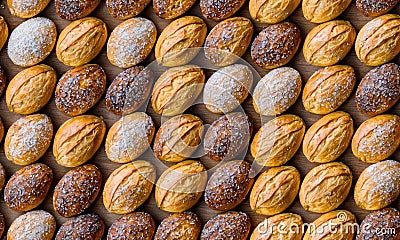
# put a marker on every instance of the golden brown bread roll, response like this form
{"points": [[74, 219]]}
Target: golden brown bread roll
{"points": [[176, 89], [378, 185], [28, 139], [178, 138], [25, 8], [278, 140], [324, 47], [78, 139], [376, 138], [290, 228], [334, 178], [318, 11], [128, 187], [328, 138], [341, 224], [275, 190], [179, 42], [228, 41], [131, 42], [81, 41], [37, 224], [3, 32], [328, 88], [377, 41], [129, 137], [180, 186], [31, 89], [271, 12]]}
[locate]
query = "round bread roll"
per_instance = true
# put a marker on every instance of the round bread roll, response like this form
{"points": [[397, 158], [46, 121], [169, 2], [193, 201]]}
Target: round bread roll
{"points": [[32, 225], [26, 8], [131, 42], [32, 41]]}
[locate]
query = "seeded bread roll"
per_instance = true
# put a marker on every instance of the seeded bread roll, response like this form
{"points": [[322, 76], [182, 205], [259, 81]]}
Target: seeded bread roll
{"points": [[28, 187], [276, 45], [172, 8], [1, 130], [129, 90], [379, 90], [32, 225], [32, 41], [124, 9], [184, 225], [230, 225], [83, 227], [26, 8], [77, 190], [378, 185], [377, 221], [228, 136], [75, 9], [218, 10], [229, 185], [131, 42], [377, 138], [79, 89], [137, 225], [277, 91], [374, 8], [28, 139]]}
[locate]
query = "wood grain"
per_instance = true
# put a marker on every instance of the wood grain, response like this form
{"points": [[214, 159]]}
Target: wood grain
{"points": [[107, 166]]}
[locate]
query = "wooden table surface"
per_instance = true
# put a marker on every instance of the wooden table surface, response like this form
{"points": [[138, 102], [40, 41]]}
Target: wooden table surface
{"points": [[107, 166]]}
